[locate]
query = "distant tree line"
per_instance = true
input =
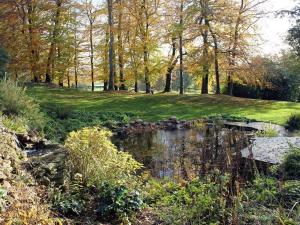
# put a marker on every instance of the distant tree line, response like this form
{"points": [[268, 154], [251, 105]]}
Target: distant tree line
{"points": [[120, 42]]}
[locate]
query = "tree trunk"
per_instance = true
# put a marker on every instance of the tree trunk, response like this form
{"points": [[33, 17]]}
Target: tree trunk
{"points": [[61, 73], [216, 52], [181, 49], [136, 87], [146, 71], [51, 54], [111, 82], [92, 53], [105, 86], [75, 60], [34, 55], [206, 60], [232, 54], [171, 67], [120, 47], [68, 76]]}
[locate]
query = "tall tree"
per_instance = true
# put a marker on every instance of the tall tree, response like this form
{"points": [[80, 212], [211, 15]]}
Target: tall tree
{"points": [[181, 48], [53, 41], [111, 82]]}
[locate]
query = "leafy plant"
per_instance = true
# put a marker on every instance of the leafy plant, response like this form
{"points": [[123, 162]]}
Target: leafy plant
{"points": [[264, 190], [92, 154], [117, 202], [198, 202], [293, 122], [3, 194], [291, 164], [290, 194], [70, 202]]}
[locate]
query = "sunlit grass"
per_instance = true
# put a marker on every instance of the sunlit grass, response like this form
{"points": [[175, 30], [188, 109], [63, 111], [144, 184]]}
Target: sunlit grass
{"points": [[162, 106]]}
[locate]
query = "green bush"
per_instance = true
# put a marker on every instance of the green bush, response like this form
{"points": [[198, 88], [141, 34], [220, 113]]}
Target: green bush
{"points": [[293, 122], [198, 202], [117, 203], [289, 194], [17, 106], [291, 164], [92, 154], [71, 201], [264, 191]]}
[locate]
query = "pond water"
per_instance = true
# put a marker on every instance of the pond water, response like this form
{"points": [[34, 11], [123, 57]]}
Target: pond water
{"points": [[187, 153]]}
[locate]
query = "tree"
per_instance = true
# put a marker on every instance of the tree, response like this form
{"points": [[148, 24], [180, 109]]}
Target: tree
{"points": [[90, 12], [53, 41], [111, 82]]}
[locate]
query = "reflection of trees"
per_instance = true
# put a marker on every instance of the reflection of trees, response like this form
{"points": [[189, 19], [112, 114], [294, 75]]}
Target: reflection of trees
{"points": [[186, 154]]}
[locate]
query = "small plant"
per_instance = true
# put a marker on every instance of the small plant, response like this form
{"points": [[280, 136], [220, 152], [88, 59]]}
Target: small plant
{"points": [[264, 191], [117, 203], [3, 194], [290, 194], [293, 122], [268, 131], [291, 164], [198, 202], [70, 202]]}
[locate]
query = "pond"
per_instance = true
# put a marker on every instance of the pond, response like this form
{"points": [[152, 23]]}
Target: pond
{"points": [[188, 153]]}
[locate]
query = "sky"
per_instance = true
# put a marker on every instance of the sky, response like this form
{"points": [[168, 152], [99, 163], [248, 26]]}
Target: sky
{"points": [[273, 29]]}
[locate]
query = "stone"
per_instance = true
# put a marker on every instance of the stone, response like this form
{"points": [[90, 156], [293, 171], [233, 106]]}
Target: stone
{"points": [[271, 150]]}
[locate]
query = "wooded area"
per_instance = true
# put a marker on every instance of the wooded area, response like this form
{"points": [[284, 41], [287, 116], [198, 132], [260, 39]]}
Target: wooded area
{"points": [[119, 43]]}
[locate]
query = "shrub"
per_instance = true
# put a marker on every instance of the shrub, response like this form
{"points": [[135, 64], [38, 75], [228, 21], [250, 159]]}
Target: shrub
{"points": [[117, 202], [264, 191], [92, 154], [70, 202], [290, 194], [14, 103], [291, 164], [293, 122], [198, 202]]}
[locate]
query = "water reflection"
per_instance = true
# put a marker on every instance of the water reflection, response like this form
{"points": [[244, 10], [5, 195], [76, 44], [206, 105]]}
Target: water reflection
{"points": [[186, 153]]}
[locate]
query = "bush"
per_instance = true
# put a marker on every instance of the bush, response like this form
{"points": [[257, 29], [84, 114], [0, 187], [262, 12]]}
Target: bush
{"points": [[291, 164], [117, 203], [290, 194], [293, 122], [70, 202], [92, 154], [264, 191], [198, 202], [17, 106]]}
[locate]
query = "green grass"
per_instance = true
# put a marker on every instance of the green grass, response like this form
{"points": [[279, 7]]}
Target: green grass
{"points": [[162, 106]]}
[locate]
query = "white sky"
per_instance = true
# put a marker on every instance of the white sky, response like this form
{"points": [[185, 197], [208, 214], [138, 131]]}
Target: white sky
{"points": [[274, 29]]}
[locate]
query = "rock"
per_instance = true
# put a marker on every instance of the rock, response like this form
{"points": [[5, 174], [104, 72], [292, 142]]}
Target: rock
{"points": [[271, 150]]}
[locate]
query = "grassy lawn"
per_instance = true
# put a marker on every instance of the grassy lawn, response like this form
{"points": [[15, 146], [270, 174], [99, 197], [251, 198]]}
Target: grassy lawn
{"points": [[162, 106]]}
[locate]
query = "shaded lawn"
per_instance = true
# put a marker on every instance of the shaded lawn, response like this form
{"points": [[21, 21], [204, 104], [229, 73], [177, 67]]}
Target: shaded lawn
{"points": [[162, 106]]}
